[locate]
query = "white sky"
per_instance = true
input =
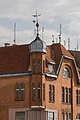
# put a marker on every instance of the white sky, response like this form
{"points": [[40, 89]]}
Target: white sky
{"points": [[54, 13]]}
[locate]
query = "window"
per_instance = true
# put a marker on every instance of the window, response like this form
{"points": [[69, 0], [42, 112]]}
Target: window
{"points": [[19, 91], [76, 96], [43, 91], [66, 95], [22, 92], [69, 95], [39, 66], [39, 91], [49, 93], [50, 115], [53, 91], [33, 91], [34, 66], [43, 66], [63, 94], [66, 73], [66, 116], [63, 116], [78, 116], [50, 67], [20, 116]]}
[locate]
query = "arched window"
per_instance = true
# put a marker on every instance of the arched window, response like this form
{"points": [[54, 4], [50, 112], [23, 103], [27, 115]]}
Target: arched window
{"points": [[39, 91], [66, 73], [22, 92], [39, 66], [33, 91], [17, 91]]}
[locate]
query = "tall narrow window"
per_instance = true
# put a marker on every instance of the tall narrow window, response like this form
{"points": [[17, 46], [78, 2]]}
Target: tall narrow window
{"points": [[63, 116], [43, 66], [69, 95], [33, 91], [22, 92], [79, 96], [43, 91], [39, 66], [49, 93], [17, 91], [34, 66], [76, 96], [63, 95], [66, 95], [53, 93], [66, 116], [39, 91]]}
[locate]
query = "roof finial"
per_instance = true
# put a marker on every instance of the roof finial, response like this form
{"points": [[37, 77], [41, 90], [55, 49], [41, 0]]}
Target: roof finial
{"points": [[36, 21]]}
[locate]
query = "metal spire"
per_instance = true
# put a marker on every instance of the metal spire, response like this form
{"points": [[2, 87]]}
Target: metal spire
{"points": [[36, 21]]}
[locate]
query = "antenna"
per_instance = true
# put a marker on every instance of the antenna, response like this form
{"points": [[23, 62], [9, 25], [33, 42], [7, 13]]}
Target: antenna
{"points": [[36, 21], [68, 43], [60, 34], [64, 43], [77, 44], [15, 33], [42, 32], [53, 38]]}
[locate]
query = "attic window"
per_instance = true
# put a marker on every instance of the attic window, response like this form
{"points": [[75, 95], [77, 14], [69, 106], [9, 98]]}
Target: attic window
{"points": [[66, 73], [50, 68]]}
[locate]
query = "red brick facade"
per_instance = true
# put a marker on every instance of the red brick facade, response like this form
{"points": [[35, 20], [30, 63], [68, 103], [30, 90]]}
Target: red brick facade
{"points": [[51, 83]]}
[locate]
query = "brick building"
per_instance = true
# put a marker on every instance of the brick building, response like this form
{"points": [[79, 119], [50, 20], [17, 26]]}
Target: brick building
{"points": [[39, 82]]}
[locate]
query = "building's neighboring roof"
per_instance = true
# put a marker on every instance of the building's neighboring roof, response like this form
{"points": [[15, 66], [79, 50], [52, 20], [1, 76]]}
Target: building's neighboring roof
{"points": [[14, 59], [57, 51], [76, 55]]}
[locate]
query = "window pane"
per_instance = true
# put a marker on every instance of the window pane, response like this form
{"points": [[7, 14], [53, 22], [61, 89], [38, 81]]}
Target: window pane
{"points": [[66, 95], [76, 96], [20, 116], [50, 93], [17, 91], [66, 73], [33, 91], [63, 94], [22, 92], [43, 91], [39, 91], [53, 93]]}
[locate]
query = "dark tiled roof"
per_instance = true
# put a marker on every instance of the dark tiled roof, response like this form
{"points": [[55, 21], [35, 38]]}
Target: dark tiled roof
{"points": [[76, 55], [14, 59], [59, 50]]}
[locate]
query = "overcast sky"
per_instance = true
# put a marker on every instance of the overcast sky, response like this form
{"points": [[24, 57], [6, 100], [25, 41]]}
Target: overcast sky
{"points": [[53, 13]]}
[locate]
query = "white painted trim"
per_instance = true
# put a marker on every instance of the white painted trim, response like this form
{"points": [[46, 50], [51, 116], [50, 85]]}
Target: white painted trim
{"points": [[51, 75], [14, 74], [43, 107]]}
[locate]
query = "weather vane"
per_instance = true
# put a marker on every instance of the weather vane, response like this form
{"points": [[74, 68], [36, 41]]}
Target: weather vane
{"points": [[36, 21]]}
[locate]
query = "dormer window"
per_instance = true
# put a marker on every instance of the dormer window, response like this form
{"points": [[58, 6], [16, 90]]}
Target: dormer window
{"points": [[50, 68], [66, 73]]}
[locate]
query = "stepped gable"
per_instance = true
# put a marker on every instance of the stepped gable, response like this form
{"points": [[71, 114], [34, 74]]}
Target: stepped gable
{"points": [[14, 59]]}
